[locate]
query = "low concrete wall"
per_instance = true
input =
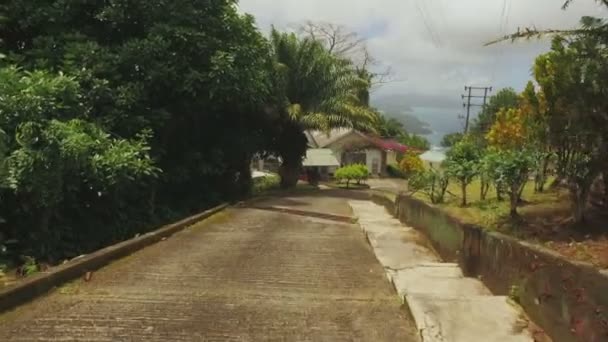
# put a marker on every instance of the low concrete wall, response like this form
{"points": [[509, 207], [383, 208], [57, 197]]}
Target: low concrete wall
{"points": [[569, 300], [45, 281]]}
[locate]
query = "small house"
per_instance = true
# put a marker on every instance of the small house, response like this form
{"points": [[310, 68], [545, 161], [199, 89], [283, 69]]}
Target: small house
{"points": [[350, 146]]}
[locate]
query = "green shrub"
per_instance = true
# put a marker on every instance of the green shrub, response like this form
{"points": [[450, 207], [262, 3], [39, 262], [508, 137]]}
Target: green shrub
{"points": [[462, 164], [433, 183], [29, 267], [264, 184], [355, 172], [411, 164], [394, 171], [511, 170]]}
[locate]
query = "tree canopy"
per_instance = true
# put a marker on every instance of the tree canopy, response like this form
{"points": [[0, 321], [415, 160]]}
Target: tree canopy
{"points": [[315, 90], [506, 98], [118, 115]]}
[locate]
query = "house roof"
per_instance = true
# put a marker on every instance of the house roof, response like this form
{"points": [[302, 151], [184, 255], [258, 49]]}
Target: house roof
{"points": [[320, 157], [324, 140], [319, 139], [389, 145]]}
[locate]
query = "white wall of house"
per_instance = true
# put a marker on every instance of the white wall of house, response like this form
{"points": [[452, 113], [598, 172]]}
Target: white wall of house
{"points": [[374, 161], [391, 158]]}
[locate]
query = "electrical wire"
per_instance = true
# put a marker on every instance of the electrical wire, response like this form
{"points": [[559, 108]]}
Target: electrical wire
{"points": [[427, 23], [503, 28], [432, 23]]}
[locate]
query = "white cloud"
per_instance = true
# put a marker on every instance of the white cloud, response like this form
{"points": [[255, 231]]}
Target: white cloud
{"points": [[401, 37]]}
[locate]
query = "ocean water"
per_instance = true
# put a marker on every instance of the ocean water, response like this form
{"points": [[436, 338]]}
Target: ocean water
{"points": [[442, 121]]}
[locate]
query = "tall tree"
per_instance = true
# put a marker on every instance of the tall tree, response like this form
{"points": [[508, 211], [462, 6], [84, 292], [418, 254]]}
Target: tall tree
{"points": [[451, 139], [319, 91], [462, 164], [196, 74], [506, 98], [573, 80]]}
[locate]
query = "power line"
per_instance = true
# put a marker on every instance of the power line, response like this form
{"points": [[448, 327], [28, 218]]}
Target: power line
{"points": [[428, 25], [503, 25], [429, 15], [442, 13], [502, 16]]}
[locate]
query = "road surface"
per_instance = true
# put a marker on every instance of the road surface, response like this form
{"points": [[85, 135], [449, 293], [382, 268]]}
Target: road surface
{"points": [[243, 275]]}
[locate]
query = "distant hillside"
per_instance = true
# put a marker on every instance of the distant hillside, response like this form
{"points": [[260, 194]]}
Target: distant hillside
{"points": [[392, 104], [394, 107], [421, 115], [412, 124]]}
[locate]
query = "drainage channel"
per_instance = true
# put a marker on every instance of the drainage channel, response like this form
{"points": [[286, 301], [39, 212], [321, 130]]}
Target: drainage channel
{"points": [[308, 213], [445, 305]]}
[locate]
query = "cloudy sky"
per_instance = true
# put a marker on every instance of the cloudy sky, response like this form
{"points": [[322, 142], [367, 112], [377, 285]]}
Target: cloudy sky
{"points": [[435, 47]]}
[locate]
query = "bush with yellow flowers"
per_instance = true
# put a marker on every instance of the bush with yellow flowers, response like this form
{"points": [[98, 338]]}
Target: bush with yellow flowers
{"points": [[411, 164]]}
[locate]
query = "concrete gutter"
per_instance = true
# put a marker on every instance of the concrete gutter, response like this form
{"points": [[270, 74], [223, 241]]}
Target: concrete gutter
{"points": [[41, 283], [315, 214], [445, 305]]}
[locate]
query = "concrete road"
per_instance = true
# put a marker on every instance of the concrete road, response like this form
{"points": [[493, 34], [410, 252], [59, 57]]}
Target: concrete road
{"points": [[243, 275]]}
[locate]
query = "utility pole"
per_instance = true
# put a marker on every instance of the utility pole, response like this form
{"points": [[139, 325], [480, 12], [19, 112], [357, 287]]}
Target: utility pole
{"points": [[468, 104]]}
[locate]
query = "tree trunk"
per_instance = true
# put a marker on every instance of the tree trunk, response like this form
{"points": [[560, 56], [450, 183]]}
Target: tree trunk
{"points": [[578, 210], [513, 212], [289, 172], [245, 180], [520, 190], [484, 189], [464, 194], [152, 202], [541, 177], [46, 242], [605, 181], [498, 193], [580, 196], [514, 197]]}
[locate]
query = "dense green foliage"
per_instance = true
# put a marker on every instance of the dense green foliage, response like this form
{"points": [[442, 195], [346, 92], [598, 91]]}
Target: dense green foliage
{"points": [[316, 90], [394, 171], [355, 172], [462, 164], [411, 164], [118, 115], [432, 183], [504, 99], [265, 184], [451, 139], [65, 177], [572, 78], [562, 117], [510, 170]]}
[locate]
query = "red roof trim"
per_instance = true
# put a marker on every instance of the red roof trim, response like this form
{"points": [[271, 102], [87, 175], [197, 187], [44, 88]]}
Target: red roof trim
{"points": [[390, 145]]}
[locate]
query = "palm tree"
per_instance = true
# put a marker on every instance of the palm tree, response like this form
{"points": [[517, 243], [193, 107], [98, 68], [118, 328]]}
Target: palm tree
{"points": [[319, 91], [590, 26]]}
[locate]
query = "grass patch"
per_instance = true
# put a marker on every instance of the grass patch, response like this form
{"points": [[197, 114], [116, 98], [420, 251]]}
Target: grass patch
{"points": [[491, 212], [545, 218]]}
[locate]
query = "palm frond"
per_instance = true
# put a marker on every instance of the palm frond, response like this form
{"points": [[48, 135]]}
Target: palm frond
{"points": [[589, 26], [322, 89], [569, 2]]}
